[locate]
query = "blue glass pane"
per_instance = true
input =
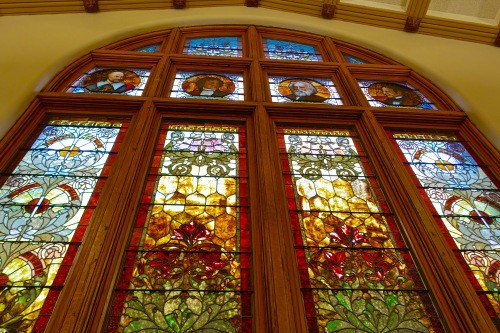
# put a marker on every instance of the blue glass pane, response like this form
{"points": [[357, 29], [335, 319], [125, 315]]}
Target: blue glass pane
{"points": [[284, 50], [150, 48], [214, 46], [354, 60]]}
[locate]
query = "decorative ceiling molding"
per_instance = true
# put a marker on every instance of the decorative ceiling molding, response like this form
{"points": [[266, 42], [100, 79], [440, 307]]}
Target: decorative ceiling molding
{"points": [[179, 4], [411, 15], [91, 6]]}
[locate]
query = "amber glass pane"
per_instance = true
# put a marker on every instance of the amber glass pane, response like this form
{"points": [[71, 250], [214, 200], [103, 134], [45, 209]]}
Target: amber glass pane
{"points": [[466, 203], [356, 272], [46, 204], [187, 266]]}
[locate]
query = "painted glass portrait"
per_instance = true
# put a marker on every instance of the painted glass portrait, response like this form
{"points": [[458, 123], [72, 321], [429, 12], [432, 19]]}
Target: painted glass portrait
{"points": [[214, 46], [187, 268], [357, 274], [306, 90], [121, 81], [205, 85], [465, 202], [46, 203], [286, 50], [394, 94]]}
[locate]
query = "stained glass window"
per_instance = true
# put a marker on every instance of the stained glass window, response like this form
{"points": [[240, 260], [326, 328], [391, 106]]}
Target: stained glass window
{"points": [[354, 60], [214, 46], [208, 85], [316, 90], [46, 204], [357, 274], [286, 50], [187, 266], [111, 81], [150, 48], [466, 204], [394, 94]]}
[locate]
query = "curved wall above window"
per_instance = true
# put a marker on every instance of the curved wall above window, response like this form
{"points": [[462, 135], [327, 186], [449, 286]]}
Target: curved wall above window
{"points": [[339, 228]]}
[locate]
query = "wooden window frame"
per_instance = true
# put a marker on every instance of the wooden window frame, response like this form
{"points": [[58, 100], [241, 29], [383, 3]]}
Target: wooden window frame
{"points": [[277, 300]]}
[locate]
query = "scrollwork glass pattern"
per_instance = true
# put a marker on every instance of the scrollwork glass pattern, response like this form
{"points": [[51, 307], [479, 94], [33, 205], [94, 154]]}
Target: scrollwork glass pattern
{"points": [[45, 206], [466, 202], [214, 46], [187, 266], [356, 272], [286, 50]]}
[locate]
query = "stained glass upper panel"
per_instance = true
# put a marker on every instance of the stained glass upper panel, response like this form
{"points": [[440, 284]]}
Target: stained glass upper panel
{"points": [[314, 90], [150, 48], [466, 203], [286, 50], [394, 94], [45, 207], [208, 85], [214, 46], [187, 265], [123, 81], [354, 60], [357, 274]]}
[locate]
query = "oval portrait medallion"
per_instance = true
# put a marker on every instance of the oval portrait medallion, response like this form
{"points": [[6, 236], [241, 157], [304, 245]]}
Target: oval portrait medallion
{"points": [[394, 94], [208, 85], [111, 81], [303, 90]]}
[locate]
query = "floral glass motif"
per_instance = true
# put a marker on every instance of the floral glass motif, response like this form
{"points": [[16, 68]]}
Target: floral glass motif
{"points": [[356, 272], [466, 203], [285, 50], [187, 266], [317, 90], [121, 81], [394, 94], [353, 59], [208, 85], [150, 48], [46, 204], [214, 46]]}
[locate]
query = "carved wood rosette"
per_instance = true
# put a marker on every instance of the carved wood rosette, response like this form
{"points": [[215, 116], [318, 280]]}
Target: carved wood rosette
{"points": [[328, 10], [179, 4], [91, 6], [252, 3], [412, 24]]}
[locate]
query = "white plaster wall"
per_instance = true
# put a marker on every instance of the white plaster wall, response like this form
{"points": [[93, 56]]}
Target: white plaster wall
{"points": [[35, 48]]}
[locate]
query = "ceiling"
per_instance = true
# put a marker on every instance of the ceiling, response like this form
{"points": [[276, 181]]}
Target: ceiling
{"points": [[471, 20]]}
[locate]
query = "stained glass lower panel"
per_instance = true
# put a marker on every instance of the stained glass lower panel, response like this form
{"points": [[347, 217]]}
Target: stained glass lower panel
{"points": [[357, 275], [45, 206], [187, 267], [465, 200]]}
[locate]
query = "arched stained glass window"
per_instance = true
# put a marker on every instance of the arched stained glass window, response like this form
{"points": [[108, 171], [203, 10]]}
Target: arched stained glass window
{"points": [[246, 179]]}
